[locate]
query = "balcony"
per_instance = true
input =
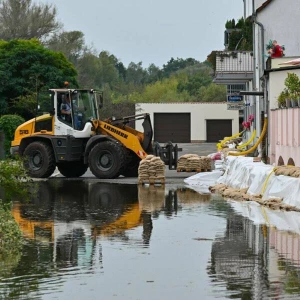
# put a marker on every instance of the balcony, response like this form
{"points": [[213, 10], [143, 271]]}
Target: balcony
{"points": [[234, 67]]}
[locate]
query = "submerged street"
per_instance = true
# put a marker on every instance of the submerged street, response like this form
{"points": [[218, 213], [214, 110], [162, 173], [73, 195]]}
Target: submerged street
{"points": [[95, 240]]}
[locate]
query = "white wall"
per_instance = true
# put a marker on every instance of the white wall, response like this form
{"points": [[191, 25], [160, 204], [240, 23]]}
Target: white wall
{"points": [[276, 85], [281, 22], [258, 3], [200, 112]]}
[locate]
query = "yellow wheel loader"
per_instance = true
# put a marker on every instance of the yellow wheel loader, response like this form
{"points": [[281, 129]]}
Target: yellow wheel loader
{"points": [[78, 140]]}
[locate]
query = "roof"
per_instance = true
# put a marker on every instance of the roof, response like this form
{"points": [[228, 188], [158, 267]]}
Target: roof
{"points": [[263, 6]]}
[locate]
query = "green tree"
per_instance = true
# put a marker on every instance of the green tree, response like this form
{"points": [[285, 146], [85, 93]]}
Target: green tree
{"points": [[194, 82], [160, 91], [25, 20], [27, 66], [89, 71], [213, 93], [154, 73], [241, 39], [71, 43], [174, 65], [136, 73], [8, 125], [109, 74]]}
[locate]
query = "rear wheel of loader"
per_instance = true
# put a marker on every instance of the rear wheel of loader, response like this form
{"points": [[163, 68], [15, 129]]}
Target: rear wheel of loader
{"points": [[132, 165], [107, 159], [39, 160], [72, 169]]}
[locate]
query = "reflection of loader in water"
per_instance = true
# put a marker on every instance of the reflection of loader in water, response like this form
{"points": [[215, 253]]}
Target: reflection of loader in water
{"points": [[102, 209], [99, 209]]}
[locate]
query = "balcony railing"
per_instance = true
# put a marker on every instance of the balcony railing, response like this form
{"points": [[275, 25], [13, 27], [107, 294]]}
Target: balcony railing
{"points": [[234, 67], [234, 62]]}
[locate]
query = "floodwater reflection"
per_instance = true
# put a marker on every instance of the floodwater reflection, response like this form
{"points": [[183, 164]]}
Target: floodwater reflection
{"points": [[100, 240]]}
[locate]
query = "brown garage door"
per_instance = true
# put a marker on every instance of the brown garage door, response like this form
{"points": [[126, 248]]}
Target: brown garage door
{"points": [[217, 129], [174, 127]]}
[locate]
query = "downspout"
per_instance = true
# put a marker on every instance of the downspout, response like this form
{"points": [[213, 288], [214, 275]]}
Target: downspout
{"points": [[259, 71], [254, 88], [262, 29]]}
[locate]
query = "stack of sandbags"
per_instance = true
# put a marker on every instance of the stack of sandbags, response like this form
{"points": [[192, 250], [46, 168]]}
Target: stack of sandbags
{"points": [[143, 168], [156, 168], [205, 162], [288, 171], [183, 160], [151, 167], [193, 163]]}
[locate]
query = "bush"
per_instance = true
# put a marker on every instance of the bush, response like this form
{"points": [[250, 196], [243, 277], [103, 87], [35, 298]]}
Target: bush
{"points": [[8, 125], [10, 235], [13, 179]]}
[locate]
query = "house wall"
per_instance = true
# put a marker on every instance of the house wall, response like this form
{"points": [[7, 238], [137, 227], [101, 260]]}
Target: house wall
{"points": [[200, 112], [284, 135], [281, 22], [258, 3], [276, 85]]}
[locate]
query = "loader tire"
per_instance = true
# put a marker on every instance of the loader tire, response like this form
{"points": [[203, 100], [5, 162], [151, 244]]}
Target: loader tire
{"points": [[39, 160], [107, 159], [132, 165], [72, 169]]}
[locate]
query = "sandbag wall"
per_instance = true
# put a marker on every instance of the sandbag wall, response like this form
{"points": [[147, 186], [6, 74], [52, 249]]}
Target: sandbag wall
{"points": [[194, 163]]}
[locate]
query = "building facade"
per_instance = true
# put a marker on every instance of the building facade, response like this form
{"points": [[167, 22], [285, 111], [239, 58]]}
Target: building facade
{"points": [[190, 122]]}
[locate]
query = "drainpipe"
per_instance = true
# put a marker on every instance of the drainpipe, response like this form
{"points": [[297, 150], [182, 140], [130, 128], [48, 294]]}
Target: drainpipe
{"points": [[262, 29], [259, 69]]}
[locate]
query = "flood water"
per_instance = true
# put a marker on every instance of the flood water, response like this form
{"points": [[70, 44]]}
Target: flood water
{"points": [[106, 241]]}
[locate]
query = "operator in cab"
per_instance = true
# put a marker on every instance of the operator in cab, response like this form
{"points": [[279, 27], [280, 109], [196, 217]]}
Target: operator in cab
{"points": [[66, 109]]}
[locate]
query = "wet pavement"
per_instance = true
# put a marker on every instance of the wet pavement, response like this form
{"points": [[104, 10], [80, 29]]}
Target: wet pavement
{"points": [[95, 240], [172, 176]]}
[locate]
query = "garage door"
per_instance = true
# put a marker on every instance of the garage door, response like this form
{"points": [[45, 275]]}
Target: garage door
{"points": [[217, 129], [174, 127]]}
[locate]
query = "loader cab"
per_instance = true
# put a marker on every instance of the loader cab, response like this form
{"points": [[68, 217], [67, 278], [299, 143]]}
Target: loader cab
{"points": [[81, 105]]}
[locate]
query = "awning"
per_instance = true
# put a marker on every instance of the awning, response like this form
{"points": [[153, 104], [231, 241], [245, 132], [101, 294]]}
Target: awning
{"points": [[294, 62]]}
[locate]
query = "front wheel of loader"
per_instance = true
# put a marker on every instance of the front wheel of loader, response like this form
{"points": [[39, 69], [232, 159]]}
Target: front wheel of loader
{"points": [[107, 159], [132, 165], [39, 160], [72, 169]]}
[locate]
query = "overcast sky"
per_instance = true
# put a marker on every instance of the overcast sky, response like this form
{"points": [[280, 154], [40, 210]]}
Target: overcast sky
{"points": [[151, 31]]}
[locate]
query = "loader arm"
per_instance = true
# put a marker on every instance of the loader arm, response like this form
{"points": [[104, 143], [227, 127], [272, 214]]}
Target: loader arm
{"points": [[132, 139]]}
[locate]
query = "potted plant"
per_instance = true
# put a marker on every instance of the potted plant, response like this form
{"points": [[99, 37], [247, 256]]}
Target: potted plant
{"points": [[281, 100], [294, 100], [292, 83]]}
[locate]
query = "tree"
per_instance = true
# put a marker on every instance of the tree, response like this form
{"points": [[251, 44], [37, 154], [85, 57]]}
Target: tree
{"points": [[109, 74], [89, 71], [21, 19], [136, 73], [71, 43], [154, 73], [27, 66], [192, 83], [242, 37], [213, 93], [174, 65], [160, 91]]}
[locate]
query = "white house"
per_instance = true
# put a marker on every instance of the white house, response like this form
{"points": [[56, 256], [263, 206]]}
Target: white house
{"points": [[190, 122]]}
